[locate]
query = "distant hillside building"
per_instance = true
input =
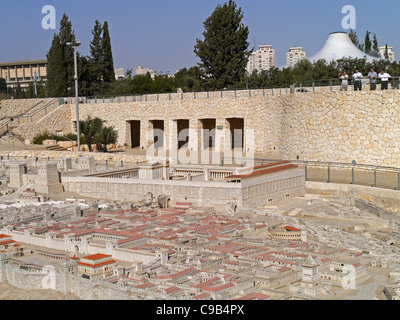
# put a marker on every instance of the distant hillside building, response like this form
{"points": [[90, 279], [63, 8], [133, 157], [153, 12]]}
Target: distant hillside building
{"points": [[261, 59], [119, 74], [294, 55], [23, 72], [390, 53], [143, 71]]}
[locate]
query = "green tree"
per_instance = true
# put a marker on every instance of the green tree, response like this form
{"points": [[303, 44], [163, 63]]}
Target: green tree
{"points": [[90, 128], [224, 50], [375, 48], [354, 38], [107, 135], [188, 79], [367, 43], [56, 84], [84, 76], [3, 85], [386, 55], [107, 56], [67, 35], [96, 58]]}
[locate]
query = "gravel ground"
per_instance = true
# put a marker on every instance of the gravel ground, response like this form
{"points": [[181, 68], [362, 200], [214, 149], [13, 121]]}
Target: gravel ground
{"points": [[8, 292]]}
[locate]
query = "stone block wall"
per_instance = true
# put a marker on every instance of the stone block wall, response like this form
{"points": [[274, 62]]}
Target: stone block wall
{"points": [[14, 107], [316, 126], [259, 115], [59, 120], [342, 127]]}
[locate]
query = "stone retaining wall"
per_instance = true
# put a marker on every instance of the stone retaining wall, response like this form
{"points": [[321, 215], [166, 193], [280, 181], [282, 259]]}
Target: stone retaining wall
{"points": [[59, 120], [313, 126]]}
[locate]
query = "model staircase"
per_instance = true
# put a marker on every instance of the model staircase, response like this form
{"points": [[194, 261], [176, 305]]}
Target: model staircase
{"points": [[32, 115], [56, 147]]}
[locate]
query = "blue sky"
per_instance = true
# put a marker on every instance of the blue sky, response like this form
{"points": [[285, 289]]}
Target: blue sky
{"points": [[161, 34]]}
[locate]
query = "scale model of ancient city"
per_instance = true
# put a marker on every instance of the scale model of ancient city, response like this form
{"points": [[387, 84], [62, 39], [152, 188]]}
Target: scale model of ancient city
{"points": [[278, 194]]}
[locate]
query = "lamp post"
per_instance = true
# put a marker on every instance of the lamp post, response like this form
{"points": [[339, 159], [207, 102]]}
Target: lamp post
{"points": [[75, 45]]}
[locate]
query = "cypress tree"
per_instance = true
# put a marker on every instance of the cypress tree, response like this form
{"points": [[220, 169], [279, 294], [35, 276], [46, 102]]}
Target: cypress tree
{"points": [[224, 50], [386, 55], [66, 35], [354, 38], [367, 43], [108, 61], [375, 47], [56, 85], [96, 58]]}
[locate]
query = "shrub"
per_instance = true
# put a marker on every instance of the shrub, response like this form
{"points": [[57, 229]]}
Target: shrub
{"points": [[39, 138]]}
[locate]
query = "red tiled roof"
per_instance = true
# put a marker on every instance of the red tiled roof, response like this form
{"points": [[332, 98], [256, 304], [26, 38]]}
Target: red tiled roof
{"points": [[261, 172], [265, 166], [202, 296], [6, 242], [144, 285], [172, 289], [289, 228], [96, 256], [96, 265]]}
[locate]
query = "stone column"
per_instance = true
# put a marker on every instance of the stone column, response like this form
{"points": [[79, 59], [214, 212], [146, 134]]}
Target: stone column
{"points": [[194, 140], [172, 126], [220, 135], [146, 138]]}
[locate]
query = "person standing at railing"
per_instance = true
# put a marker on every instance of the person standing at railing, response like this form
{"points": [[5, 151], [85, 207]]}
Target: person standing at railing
{"points": [[345, 81], [357, 76], [372, 79], [385, 79]]}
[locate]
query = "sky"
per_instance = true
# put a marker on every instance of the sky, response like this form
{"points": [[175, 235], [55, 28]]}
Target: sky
{"points": [[161, 34]]}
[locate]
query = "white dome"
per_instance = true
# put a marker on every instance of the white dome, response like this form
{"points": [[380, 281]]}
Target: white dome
{"points": [[338, 46]]}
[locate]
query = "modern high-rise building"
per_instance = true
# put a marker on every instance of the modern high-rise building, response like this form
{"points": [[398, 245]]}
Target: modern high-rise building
{"points": [[294, 55], [390, 52], [261, 59]]}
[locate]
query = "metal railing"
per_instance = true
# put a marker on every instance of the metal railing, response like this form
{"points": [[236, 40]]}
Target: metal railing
{"points": [[385, 177], [393, 83], [31, 115], [323, 85]]}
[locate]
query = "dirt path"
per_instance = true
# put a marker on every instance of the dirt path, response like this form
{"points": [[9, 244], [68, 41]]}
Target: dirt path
{"points": [[8, 292]]}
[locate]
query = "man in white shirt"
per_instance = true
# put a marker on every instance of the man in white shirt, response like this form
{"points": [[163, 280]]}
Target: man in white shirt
{"points": [[345, 82], [384, 79], [357, 76]]}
